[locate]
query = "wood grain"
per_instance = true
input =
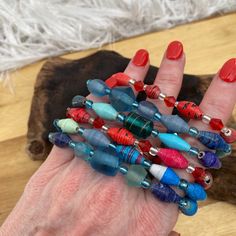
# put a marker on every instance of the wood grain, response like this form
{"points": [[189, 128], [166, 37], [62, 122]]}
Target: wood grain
{"points": [[207, 45]]}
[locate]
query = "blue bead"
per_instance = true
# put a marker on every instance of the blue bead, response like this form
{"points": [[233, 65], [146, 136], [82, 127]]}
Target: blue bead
{"points": [[147, 110], [59, 139], [188, 207], [130, 154], [213, 141], [174, 141], [164, 193], [105, 111], [82, 149], [170, 177], [174, 123], [78, 101], [97, 87], [105, 163], [96, 138], [209, 160], [196, 192], [122, 98]]}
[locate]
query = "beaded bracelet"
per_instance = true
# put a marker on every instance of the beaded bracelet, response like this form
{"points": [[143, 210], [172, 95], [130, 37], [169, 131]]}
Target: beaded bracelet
{"points": [[168, 157], [109, 165], [187, 109]]}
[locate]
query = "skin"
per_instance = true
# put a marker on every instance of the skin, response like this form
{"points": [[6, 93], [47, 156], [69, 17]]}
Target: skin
{"points": [[66, 197]]}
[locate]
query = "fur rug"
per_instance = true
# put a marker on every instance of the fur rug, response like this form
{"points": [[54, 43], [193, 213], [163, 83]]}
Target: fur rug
{"points": [[31, 30]]}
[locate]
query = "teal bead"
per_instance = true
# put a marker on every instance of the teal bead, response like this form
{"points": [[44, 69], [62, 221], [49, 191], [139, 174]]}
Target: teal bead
{"points": [[122, 98], [174, 141], [105, 111], [82, 149], [135, 175], [105, 163], [188, 207], [97, 87]]}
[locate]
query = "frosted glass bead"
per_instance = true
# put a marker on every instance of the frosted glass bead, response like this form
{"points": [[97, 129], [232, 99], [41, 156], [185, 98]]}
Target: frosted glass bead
{"points": [[78, 101], [135, 175], [147, 109], [122, 98], [59, 139], [105, 110], [96, 138], [82, 149], [105, 163], [97, 87]]}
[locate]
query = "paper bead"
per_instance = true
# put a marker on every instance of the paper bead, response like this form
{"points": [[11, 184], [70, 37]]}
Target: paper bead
{"points": [[78, 114], [152, 91], [203, 177], [67, 125], [189, 110], [105, 111], [209, 160]]}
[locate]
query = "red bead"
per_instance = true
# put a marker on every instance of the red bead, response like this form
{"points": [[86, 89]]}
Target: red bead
{"points": [[144, 145], [111, 82], [231, 138], [98, 123], [172, 158], [153, 159], [203, 177], [189, 110], [121, 78], [152, 91], [121, 136], [170, 101], [138, 85], [78, 114], [216, 124]]}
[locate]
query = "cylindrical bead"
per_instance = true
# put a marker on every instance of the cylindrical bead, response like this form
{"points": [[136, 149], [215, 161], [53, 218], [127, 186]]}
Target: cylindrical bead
{"points": [[152, 91], [189, 110], [121, 136], [79, 115], [96, 138], [138, 125], [105, 163], [59, 139], [97, 87], [82, 149], [135, 175], [209, 160], [147, 109], [105, 111], [202, 177], [174, 123]]}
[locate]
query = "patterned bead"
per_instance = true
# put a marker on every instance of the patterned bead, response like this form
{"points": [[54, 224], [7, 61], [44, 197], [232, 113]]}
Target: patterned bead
{"points": [[122, 98], [67, 126], [96, 138], [213, 140], [216, 124], [135, 175], [172, 158], [202, 177], [231, 137], [130, 154], [170, 101], [144, 145], [105, 163], [189, 110], [174, 141], [59, 139], [79, 115], [188, 206], [209, 160], [152, 91], [98, 123], [164, 193], [105, 111], [147, 109], [121, 136], [78, 101], [174, 123], [138, 125], [138, 85], [97, 87]]}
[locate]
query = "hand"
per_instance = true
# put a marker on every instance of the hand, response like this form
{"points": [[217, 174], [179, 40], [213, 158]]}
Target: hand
{"points": [[66, 197]]}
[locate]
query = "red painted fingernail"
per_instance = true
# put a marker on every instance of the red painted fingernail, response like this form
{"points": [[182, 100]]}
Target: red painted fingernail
{"points": [[140, 58], [174, 50], [228, 71]]}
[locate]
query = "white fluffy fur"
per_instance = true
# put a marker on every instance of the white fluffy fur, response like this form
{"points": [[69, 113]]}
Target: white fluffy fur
{"points": [[31, 30]]}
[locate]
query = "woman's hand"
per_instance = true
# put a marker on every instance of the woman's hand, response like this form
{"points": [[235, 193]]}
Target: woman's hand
{"points": [[67, 197]]}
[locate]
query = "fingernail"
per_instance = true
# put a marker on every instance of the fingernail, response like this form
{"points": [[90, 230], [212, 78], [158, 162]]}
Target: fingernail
{"points": [[228, 71], [140, 58], [174, 50]]}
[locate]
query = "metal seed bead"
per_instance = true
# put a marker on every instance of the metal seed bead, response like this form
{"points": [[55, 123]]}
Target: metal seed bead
{"points": [[123, 170], [226, 131], [190, 169], [120, 117], [132, 81], [105, 128], [206, 119], [153, 151], [193, 151], [145, 184], [193, 131], [91, 120], [162, 96]]}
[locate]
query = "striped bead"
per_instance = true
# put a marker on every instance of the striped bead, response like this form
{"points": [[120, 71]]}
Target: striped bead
{"points": [[79, 115], [209, 160]]}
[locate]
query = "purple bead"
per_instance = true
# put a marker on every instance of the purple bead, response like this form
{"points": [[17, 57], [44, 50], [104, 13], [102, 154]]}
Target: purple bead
{"points": [[59, 139], [164, 193], [209, 160]]}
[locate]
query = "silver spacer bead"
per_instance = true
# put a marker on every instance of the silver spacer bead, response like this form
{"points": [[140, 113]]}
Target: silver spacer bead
{"points": [[206, 119], [136, 142], [132, 81], [176, 103], [190, 169], [153, 151], [144, 87], [105, 128], [226, 131], [162, 96], [91, 120]]}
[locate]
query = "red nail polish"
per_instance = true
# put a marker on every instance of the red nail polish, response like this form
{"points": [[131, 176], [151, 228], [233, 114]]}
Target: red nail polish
{"points": [[174, 50], [141, 58], [228, 71]]}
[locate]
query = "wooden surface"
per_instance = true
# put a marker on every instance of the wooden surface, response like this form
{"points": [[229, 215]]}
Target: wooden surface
{"points": [[208, 44]]}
